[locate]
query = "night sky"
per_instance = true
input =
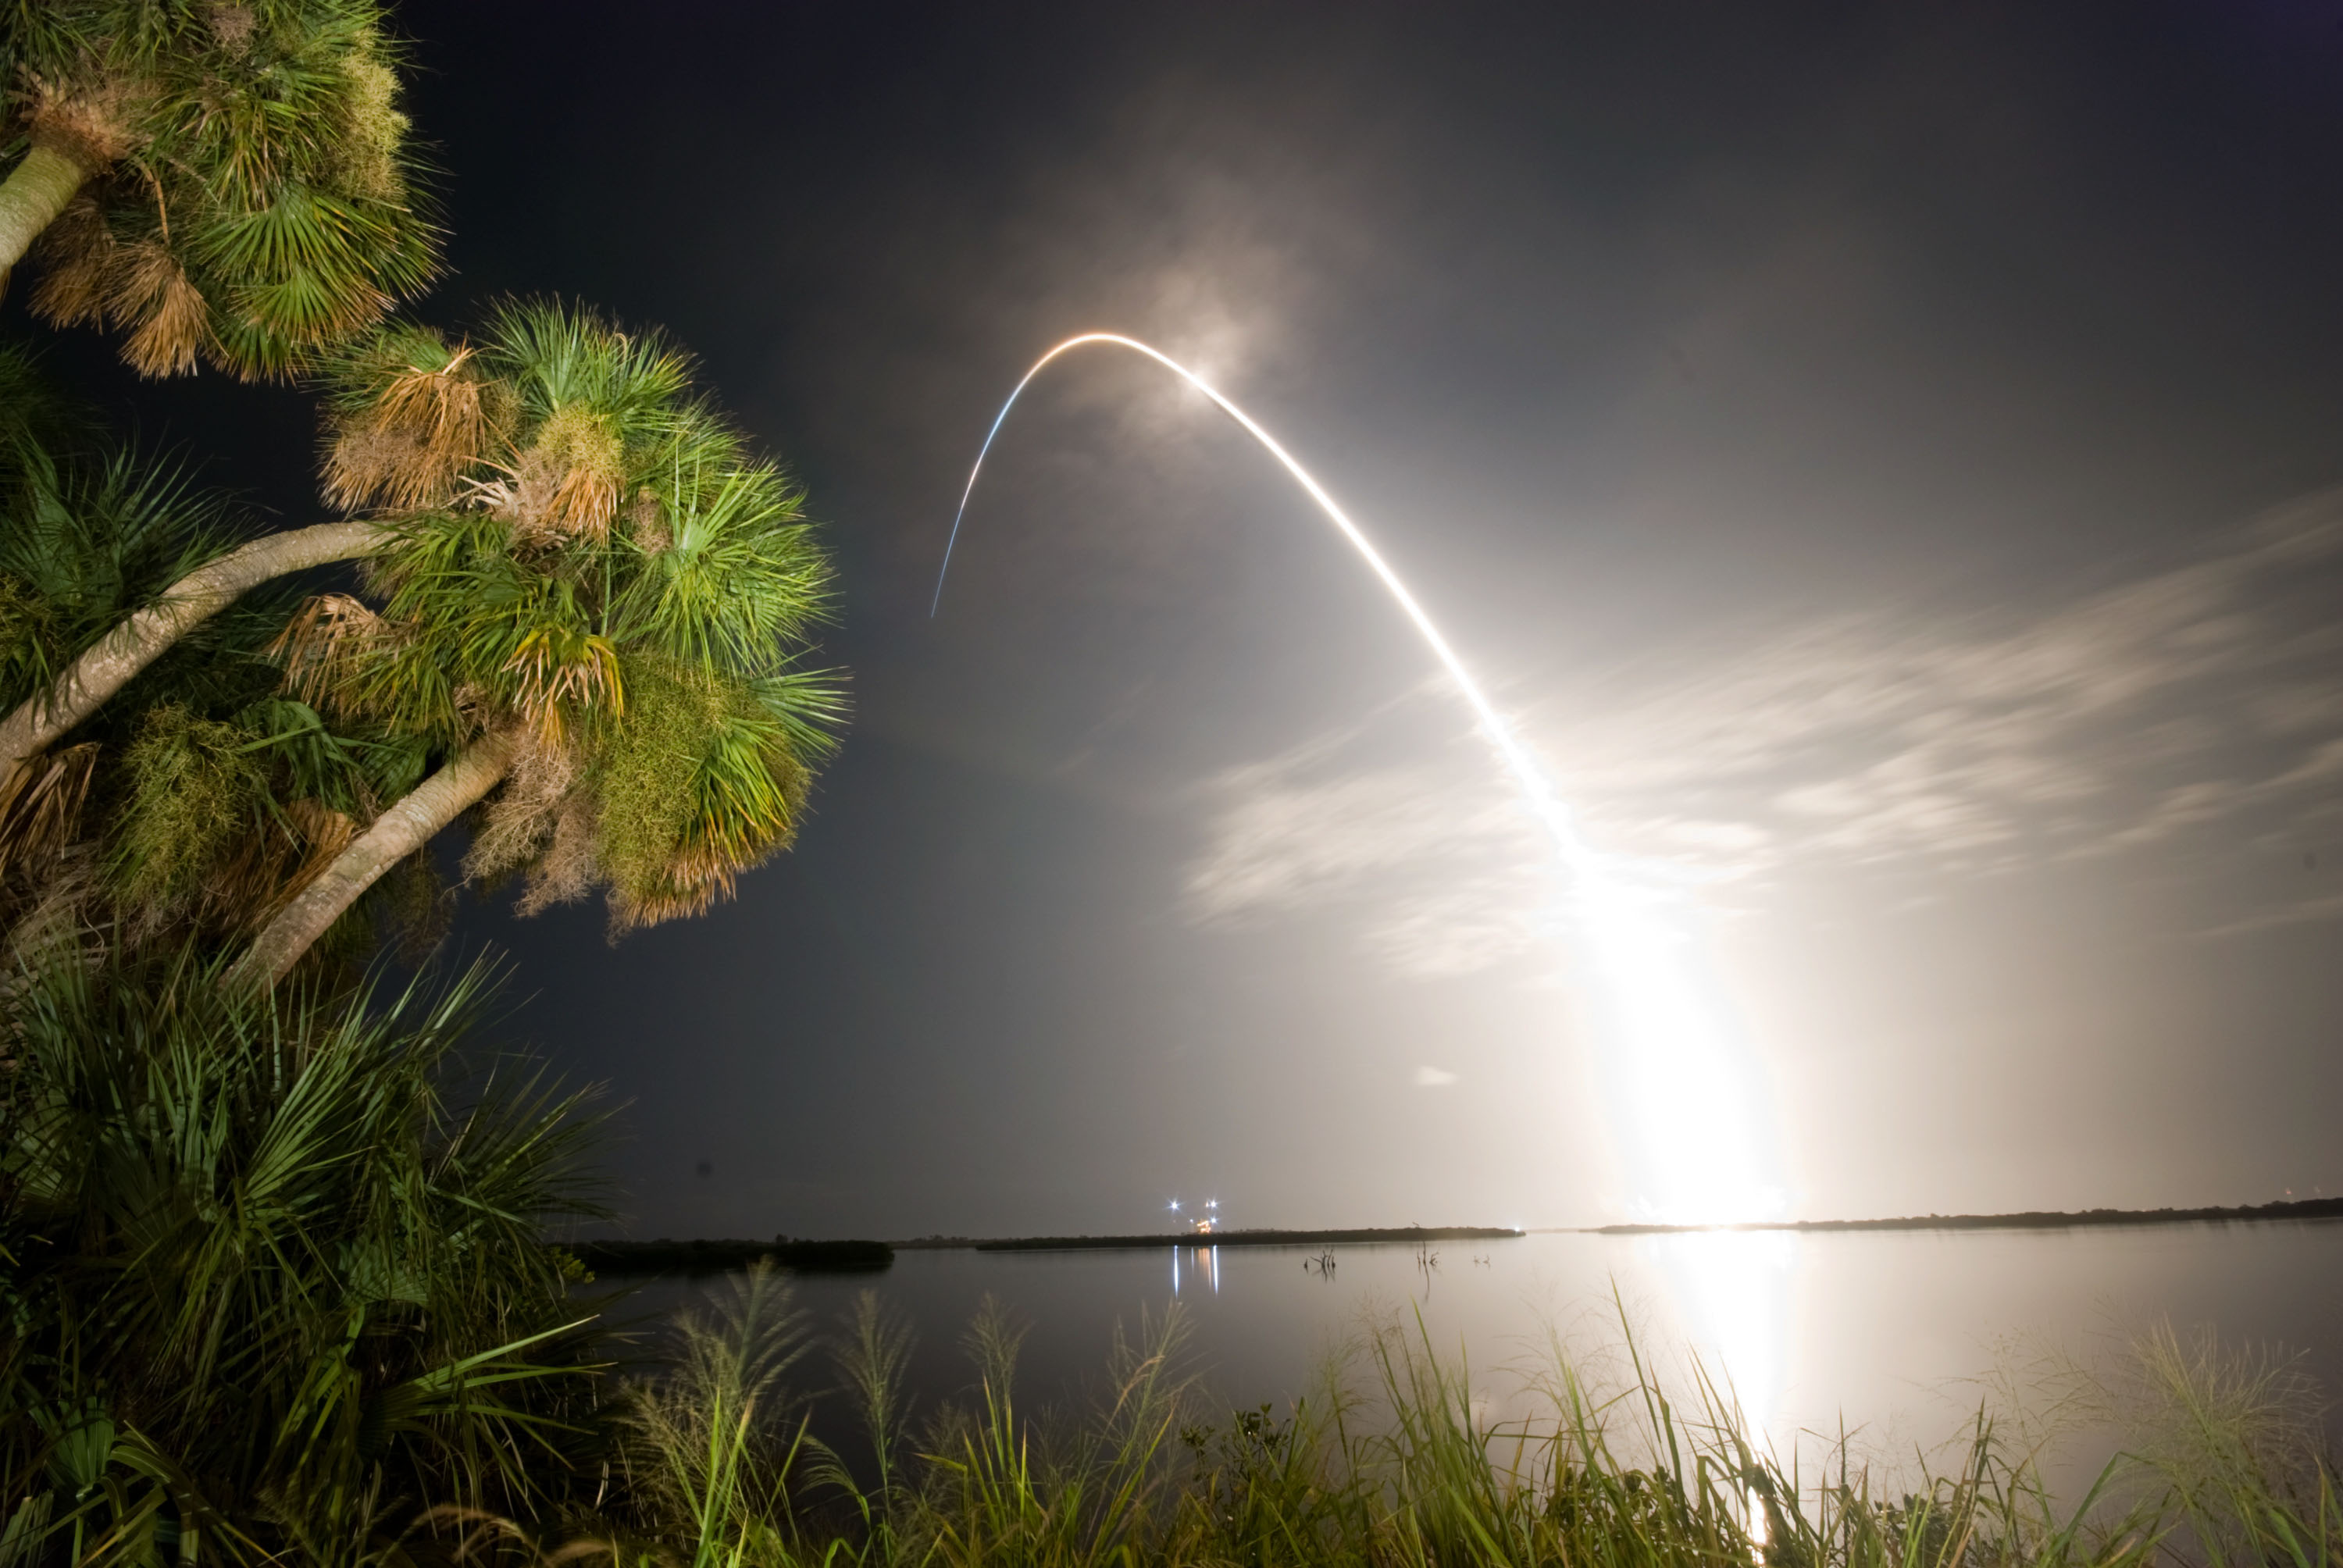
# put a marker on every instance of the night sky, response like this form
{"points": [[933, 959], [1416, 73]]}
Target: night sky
{"points": [[1885, 457]]}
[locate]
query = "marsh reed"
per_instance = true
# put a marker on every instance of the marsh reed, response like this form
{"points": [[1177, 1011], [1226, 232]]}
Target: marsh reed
{"points": [[1394, 1463]]}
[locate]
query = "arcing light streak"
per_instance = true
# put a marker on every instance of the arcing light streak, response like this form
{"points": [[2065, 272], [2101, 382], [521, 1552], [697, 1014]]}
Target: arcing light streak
{"points": [[1676, 1062], [1500, 734]]}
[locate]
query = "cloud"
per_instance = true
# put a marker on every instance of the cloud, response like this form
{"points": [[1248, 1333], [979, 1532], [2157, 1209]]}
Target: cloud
{"points": [[1432, 1078], [2207, 696], [1435, 851], [2185, 698]]}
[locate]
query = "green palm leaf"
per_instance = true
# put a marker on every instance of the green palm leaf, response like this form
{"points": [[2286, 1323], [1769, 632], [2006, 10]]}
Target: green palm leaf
{"points": [[256, 1235]]}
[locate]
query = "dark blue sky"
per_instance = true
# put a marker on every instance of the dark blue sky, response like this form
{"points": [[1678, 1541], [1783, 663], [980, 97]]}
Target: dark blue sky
{"points": [[1847, 438]]}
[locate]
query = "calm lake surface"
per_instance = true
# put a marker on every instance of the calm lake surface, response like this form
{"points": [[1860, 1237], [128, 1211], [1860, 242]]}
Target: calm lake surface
{"points": [[1890, 1332]]}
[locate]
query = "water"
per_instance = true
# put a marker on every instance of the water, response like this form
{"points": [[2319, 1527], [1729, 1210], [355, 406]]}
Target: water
{"points": [[1890, 1331]]}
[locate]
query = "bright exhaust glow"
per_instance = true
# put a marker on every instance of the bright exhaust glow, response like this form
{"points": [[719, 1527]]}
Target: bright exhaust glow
{"points": [[1688, 1099]]}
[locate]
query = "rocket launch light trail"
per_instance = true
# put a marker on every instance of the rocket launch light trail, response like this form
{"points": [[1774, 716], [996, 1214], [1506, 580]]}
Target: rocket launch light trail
{"points": [[1674, 1053]]}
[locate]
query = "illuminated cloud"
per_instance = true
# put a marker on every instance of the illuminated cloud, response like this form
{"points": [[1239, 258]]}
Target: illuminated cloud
{"points": [[2122, 718], [1448, 870], [2206, 697]]}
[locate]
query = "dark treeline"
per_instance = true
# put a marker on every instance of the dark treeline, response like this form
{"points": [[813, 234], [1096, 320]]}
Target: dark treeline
{"points": [[2028, 1219], [730, 1256]]}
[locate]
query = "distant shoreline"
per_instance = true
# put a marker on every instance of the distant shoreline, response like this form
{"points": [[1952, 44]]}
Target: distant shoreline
{"points": [[700, 1257], [705, 1256], [1410, 1233], [2032, 1220], [711, 1256]]}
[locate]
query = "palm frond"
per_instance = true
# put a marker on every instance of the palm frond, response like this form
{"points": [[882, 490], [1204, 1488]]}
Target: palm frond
{"points": [[254, 198], [108, 539], [45, 435], [660, 663], [265, 1246], [738, 578], [196, 790], [410, 419], [558, 355], [705, 779], [41, 805]]}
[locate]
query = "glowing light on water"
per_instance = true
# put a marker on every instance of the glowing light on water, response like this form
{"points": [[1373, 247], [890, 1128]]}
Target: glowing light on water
{"points": [[1208, 1263], [1731, 1289], [1671, 1046]]}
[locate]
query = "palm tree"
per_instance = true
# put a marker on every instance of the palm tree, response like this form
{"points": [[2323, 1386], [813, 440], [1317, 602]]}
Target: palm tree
{"points": [[591, 600], [270, 1288], [230, 181], [190, 805], [595, 596], [90, 671]]}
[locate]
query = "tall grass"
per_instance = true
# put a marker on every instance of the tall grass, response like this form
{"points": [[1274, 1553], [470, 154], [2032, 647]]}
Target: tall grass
{"points": [[710, 1451], [1396, 1464]]}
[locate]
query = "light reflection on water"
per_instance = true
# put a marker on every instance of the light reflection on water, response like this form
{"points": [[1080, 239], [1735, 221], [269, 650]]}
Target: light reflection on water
{"points": [[1890, 1332], [1731, 1294], [1204, 1263]]}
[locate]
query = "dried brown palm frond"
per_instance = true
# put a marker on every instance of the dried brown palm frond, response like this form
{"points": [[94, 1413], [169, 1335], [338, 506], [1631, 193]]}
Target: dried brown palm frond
{"points": [[476, 712], [92, 124], [78, 256], [269, 866], [364, 461], [689, 885], [325, 831], [694, 878], [169, 317], [519, 496], [565, 483], [646, 521], [571, 865], [442, 408], [570, 477], [52, 917], [518, 821], [424, 429], [592, 458], [585, 501], [248, 886], [322, 832], [319, 647], [40, 805], [555, 667]]}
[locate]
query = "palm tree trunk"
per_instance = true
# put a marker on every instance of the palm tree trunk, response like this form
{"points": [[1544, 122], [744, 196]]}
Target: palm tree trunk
{"points": [[397, 833], [138, 641], [31, 196]]}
